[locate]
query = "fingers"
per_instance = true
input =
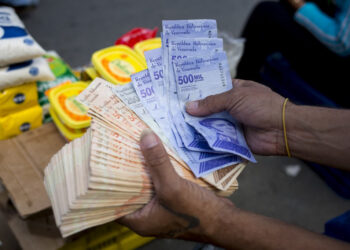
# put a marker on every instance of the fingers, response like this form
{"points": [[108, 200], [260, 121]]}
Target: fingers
{"points": [[238, 83], [226, 101], [209, 105], [215, 103], [157, 160], [142, 221]]}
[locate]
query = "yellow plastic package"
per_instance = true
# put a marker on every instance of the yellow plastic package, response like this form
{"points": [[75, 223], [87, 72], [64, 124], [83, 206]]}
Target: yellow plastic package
{"points": [[88, 74], [16, 123], [67, 132], [117, 63], [111, 236], [18, 98], [148, 44], [68, 114]]}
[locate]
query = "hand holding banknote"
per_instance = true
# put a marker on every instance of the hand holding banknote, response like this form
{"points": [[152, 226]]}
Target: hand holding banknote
{"points": [[179, 209], [259, 110], [256, 106], [182, 209]]}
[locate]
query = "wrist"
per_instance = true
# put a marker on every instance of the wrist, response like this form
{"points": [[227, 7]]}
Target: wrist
{"points": [[309, 132], [302, 134], [212, 219], [288, 117], [221, 222]]}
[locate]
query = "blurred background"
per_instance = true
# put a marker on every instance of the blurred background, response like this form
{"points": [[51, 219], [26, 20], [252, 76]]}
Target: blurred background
{"points": [[75, 29], [278, 187]]}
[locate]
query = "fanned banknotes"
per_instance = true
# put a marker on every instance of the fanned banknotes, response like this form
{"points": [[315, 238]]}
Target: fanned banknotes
{"points": [[193, 45], [102, 175]]}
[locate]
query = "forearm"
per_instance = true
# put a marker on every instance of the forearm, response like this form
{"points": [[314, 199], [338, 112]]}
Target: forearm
{"points": [[239, 229], [320, 135]]}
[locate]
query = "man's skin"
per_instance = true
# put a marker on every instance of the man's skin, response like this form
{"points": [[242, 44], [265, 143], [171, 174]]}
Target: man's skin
{"points": [[181, 209], [316, 134]]}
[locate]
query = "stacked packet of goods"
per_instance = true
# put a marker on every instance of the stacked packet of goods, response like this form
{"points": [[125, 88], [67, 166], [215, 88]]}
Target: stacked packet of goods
{"points": [[57, 97], [102, 176], [117, 63], [21, 65], [146, 45], [69, 115], [62, 72]]}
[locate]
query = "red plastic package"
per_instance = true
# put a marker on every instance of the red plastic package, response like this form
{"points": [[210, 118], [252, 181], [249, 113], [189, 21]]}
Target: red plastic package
{"points": [[136, 35]]}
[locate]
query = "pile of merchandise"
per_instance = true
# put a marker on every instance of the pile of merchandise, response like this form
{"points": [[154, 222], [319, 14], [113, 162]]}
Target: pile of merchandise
{"points": [[21, 65], [63, 74], [116, 63], [69, 115]]}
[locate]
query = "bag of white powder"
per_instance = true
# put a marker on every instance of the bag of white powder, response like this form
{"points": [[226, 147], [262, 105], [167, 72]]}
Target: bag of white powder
{"points": [[16, 45], [30, 71]]}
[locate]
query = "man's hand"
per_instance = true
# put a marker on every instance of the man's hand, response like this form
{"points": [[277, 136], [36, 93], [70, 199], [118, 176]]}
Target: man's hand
{"points": [[256, 106], [179, 209]]}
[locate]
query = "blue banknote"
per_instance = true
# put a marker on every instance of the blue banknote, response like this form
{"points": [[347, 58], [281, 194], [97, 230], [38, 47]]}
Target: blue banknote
{"points": [[182, 48], [154, 61], [144, 87], [205, 28], [190, 52], [200, 28], [201, 163], [197, 78]]}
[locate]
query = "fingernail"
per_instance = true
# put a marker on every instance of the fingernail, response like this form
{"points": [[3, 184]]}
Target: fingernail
{"points": [[148, 139], [191, 106]]}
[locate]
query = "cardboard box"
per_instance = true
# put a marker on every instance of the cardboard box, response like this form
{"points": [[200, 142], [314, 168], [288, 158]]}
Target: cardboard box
{"points": [[36, 232], [39, 231], [22, 162]]}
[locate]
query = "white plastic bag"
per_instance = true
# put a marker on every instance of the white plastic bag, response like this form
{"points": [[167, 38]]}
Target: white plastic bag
{"points": [[30, 71], [234, 48], [16, 45]]}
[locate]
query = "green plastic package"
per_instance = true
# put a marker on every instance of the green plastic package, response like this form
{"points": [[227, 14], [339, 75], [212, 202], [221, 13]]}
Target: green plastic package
{"points": [[62, 72]]}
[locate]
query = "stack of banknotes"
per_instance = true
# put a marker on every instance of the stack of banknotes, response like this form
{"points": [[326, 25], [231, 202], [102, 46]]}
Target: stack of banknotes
{"points": [[102, 176]]}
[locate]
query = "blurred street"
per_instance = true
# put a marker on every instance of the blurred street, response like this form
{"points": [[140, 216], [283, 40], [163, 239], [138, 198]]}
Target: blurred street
{"points": [[75, 29]]}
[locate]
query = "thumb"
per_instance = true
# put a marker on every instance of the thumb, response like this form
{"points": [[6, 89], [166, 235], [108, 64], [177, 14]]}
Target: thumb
{"points": [[209, 105], [157, 160]]}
